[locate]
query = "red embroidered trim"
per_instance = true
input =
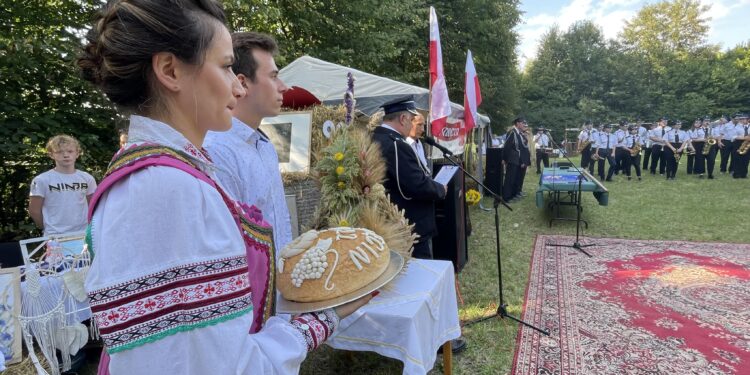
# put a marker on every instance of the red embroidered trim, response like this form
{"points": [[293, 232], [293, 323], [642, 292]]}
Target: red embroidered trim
{"points": [[178, 297]]}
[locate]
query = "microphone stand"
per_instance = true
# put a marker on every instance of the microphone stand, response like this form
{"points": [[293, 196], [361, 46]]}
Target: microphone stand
{"points": [[577, 244], [502, 311]]}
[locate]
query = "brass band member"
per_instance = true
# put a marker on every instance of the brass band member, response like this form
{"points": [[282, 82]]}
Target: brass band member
{"points": [[585, 142], [741, 143], [676, 141], [657, 146], [713, 134], [645, 134], [633, 148], [542, 140], [726, 146]]}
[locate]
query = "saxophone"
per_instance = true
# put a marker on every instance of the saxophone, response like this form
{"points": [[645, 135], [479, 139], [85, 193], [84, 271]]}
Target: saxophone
{"points": [[744, 147], [636, 149], [584, 144], [710, 142]]}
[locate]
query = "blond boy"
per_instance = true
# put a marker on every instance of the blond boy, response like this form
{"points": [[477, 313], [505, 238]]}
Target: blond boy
{"points": [[58, 200]]}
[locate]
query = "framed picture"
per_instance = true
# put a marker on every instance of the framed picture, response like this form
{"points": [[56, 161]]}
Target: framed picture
{"points": [[290, 134], [10, 308]]}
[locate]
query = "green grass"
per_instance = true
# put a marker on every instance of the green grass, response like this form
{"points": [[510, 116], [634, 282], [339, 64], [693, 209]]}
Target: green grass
{"points": [[685, 209]]}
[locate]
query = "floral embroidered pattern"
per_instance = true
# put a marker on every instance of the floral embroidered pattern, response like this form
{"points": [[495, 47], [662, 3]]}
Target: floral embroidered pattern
{"points": [[178, 299], [316, 327]]}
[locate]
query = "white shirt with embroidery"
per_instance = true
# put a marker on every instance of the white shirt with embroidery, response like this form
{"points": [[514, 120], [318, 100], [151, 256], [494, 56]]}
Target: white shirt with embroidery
{"points": [[161, 218], [248, 166]]}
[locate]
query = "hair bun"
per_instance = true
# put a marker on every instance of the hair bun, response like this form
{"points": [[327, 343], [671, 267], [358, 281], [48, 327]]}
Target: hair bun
{"points": [[90, 63]]}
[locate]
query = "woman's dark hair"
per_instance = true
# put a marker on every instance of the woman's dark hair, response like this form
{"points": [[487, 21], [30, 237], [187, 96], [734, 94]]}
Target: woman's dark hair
{"points": [[127, 33]]}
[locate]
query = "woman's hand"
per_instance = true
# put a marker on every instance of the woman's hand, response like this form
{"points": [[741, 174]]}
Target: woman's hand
{"points": [[347, 309]]}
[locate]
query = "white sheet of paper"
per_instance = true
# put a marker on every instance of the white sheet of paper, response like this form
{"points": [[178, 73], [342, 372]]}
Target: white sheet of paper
{"points": [[445, 174]]}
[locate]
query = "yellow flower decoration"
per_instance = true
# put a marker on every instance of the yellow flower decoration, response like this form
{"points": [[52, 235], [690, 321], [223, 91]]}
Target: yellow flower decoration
{"points": [[343, 223], [341, 185], [340, 170], [473, 197], [339, 156]]}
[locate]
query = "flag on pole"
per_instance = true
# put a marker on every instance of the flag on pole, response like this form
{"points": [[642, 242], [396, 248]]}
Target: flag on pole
{"points": [[440, 105], [472, 95]]}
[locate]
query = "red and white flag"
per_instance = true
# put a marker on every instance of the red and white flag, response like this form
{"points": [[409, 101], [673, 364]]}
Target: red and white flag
{"points": [[440, 105], [472, 94]]}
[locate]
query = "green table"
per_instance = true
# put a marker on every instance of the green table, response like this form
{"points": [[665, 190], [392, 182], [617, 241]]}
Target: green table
{"points": [[561, 185]]}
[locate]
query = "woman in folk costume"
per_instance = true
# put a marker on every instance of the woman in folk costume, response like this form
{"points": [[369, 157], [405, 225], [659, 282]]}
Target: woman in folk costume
{"points": [[182, 277]]}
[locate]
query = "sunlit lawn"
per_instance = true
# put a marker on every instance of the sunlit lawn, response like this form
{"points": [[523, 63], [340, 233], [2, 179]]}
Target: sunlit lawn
{"points": [[685, 209]]}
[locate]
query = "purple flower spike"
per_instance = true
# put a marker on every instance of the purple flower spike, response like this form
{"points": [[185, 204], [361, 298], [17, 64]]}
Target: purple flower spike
{"points": [[349, 98]]}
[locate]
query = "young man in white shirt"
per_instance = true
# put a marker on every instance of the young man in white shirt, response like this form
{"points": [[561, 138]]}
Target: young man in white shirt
{"points": [[247, 164], [416, 132], [59, 198]]}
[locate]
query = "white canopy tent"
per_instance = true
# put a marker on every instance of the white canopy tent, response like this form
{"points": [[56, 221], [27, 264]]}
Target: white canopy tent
{"points": [[327, 83]]}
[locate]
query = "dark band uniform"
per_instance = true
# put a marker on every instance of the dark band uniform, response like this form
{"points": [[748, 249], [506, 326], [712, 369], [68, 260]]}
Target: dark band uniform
{"points": [[517, 158], [409, 187]]}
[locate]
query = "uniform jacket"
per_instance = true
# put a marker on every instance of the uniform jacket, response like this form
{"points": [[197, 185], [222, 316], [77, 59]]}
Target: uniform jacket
{"points": [[412, 190], [514, 150]]}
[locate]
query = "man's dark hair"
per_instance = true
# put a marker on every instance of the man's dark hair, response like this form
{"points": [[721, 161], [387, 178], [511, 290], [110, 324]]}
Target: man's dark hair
{"points": [[243, 44]]}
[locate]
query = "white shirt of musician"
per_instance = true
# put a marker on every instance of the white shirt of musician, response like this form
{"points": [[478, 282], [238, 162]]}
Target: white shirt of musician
{"points": [[727, 131], [542, 140]]}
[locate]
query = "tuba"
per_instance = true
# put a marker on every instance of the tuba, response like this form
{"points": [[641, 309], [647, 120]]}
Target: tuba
{"points": [[744, 147]]}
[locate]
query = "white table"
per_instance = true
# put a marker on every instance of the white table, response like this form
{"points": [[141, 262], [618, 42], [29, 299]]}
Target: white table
{"points": [[409, 320]]}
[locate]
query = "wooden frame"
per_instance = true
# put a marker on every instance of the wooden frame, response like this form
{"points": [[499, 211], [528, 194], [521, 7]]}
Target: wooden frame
{"points": [[291, 135], [10, 309]]}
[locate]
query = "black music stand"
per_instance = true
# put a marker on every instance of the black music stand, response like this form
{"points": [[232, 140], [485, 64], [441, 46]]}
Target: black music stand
{"points": [[502, 311]]}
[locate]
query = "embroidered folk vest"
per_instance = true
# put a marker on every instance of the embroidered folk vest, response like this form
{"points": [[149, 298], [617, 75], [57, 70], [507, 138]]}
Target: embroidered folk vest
{"points": [[256, 233]]}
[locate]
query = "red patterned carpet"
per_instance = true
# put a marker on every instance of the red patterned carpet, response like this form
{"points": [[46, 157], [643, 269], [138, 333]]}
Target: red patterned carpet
{"points": [[637, 307]]}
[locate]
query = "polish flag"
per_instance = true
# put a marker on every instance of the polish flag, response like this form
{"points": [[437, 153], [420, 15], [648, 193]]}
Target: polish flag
{"points": [[440, 105], [472, 95]]}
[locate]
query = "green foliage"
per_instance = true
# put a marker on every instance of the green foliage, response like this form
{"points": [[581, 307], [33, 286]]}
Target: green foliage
{"points": [[42, 96], [660, 65]]}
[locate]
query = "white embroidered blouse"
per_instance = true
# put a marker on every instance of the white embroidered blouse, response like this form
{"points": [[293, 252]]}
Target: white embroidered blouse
{"points": [[169, 277]]}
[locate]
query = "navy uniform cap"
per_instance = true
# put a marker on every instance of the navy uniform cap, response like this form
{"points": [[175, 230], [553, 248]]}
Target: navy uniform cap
{"points": [[742, 115], [407, 105], [607, 126]]}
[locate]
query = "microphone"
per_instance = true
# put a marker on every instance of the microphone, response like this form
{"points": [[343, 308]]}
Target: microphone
{"points": [[432, 142]]}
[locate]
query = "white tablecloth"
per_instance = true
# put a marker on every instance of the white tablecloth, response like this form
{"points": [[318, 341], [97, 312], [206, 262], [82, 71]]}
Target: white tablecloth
{"points": [[412, 317]]}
